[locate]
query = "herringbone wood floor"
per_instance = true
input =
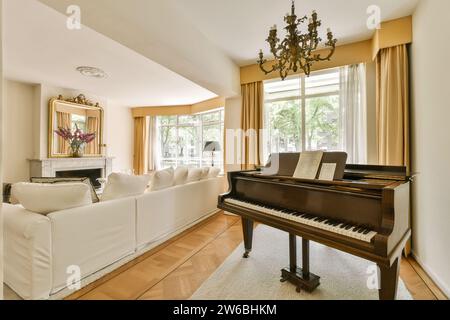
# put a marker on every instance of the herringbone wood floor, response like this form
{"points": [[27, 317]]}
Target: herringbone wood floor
{"points": [[176, 269]]}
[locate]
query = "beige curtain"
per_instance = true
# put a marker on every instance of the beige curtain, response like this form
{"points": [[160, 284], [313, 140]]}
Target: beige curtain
{"points": [[140, 163], [63, 120], [393, 106], [92, 127], [252, 123], [393, 109]]}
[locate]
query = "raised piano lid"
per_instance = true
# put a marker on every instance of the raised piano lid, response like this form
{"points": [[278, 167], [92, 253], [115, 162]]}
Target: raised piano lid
{"points": [[358, 172]]}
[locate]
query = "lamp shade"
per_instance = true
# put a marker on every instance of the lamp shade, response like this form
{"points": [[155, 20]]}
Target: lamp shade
{"points": [[212, 146]]}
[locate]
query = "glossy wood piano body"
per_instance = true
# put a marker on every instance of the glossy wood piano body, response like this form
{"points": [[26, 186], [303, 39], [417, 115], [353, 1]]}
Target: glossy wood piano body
{"points": [[371, 198]]}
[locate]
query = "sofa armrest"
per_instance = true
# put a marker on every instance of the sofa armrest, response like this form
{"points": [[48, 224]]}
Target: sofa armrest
{"points": [[27, 252]]}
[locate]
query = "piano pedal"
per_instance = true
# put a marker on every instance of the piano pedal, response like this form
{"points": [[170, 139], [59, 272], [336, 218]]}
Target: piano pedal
{"points": [[307, 282]]}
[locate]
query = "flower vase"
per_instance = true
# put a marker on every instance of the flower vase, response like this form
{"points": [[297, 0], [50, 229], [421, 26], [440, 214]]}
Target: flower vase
{"points": [[76, 153]]}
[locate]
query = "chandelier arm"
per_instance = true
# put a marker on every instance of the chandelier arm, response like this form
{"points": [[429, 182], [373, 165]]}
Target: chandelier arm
{"points": [[318, 57], [261, 66]]}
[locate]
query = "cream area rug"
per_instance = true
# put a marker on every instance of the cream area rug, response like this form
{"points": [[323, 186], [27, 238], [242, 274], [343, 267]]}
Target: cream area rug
{"points": [[343, 276]]}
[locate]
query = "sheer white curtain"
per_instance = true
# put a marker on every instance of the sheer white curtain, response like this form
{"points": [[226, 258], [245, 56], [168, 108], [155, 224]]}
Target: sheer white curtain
{"points": [[354, 112], [154, 148]]}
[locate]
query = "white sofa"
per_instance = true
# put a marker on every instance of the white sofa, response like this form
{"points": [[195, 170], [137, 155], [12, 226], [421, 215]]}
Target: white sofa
{"points": [[38, 249]]}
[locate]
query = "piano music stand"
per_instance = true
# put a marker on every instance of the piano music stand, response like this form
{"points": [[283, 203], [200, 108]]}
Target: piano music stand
{"points": [[301, 277]]}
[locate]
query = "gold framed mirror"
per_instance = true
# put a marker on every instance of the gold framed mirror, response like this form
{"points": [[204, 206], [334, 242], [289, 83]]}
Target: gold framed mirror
{"points": [[70, 115]]}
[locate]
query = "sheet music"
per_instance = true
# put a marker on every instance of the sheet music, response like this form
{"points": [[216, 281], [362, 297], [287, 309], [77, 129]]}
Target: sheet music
{"points": [[327, 172], [308, 165]]}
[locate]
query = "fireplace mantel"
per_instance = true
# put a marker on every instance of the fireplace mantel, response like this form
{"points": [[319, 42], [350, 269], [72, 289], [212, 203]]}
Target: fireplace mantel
{"points": [[50, 166]]}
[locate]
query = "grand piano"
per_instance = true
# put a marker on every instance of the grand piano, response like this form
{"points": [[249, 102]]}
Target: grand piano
{"points": [[364, 212]]}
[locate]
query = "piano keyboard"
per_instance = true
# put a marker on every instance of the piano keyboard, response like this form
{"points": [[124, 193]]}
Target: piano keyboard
{"points": [[355, 232]]}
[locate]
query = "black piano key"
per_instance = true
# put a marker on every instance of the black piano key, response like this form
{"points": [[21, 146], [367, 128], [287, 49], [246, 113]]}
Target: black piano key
{"points": [[366, 231], [349, 227]]}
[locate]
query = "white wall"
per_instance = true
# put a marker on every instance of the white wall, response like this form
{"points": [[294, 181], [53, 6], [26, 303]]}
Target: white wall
{"points": [[430, 92], [1, 150], [18, 130], [119, 129]]}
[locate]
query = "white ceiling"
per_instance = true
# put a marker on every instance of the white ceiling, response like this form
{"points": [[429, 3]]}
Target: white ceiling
{"points": [[161, 52], [40, 49], [240, 27]]}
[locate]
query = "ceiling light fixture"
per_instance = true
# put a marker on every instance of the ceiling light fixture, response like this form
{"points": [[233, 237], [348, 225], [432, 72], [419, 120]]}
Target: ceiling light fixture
{"points": [[297, 50], [92, 72]]}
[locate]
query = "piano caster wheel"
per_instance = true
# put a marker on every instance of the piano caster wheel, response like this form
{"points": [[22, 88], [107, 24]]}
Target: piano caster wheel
{"points": [[246, 255], [283, 280], [298, 289]]}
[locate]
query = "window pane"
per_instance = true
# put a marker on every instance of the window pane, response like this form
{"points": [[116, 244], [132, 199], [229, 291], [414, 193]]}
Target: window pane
{"points": [[189, 141], [188, 119], [322, 83], [209, 117], [322, 124], [283, 124], [282, 90], [168, 143], [167, 120]]}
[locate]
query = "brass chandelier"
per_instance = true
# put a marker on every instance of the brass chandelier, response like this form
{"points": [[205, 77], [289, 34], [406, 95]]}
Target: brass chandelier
{"points": [[298, 50]]}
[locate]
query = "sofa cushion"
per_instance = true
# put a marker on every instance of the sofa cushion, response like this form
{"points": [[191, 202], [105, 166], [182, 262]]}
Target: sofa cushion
{"points": [[86, 181], [121, 185], [181, 176], [195, 174], [205, 173], [162, 179], [47, 198], [213, 172]]}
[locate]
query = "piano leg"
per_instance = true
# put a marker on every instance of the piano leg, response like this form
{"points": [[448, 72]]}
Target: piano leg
{"points": [[247, 226], [389, 281], [301, 277]]}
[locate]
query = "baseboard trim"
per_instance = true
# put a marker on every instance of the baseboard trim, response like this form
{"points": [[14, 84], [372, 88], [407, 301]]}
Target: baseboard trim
{"points": [[437, 281]]}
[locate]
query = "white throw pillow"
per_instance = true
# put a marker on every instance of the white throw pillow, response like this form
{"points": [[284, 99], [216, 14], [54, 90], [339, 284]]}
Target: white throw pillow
{"points": [[121, 185], [214, 172], [181, 176], [205, 173], [195, 174], [48, 198], [162, 179]]}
